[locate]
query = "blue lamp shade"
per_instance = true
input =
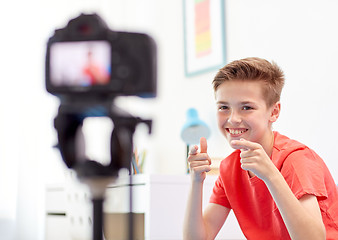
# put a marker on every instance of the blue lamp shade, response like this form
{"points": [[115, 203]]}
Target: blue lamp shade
{"points": [[194, 128]]}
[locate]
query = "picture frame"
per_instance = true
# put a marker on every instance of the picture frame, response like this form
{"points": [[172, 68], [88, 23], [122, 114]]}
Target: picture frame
{"points": [[204, 36]]}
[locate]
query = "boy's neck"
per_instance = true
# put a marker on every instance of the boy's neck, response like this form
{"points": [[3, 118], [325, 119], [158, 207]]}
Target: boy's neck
{"points": [[268, 144]]}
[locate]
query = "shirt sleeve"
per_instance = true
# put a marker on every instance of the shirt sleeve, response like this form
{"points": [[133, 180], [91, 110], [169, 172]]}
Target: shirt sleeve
{"points": [[304, 171], [218, 195]]}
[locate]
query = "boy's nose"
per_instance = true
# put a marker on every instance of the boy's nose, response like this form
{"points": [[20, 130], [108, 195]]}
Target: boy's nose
{"points": [[234, 118]]}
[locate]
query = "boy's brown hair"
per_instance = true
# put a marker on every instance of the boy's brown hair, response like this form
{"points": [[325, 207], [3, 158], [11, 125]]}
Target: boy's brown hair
{"points": [[254, 69]]}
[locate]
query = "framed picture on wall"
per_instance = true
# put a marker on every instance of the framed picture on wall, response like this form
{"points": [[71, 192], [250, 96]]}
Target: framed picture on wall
{"points": [[204, 35]]}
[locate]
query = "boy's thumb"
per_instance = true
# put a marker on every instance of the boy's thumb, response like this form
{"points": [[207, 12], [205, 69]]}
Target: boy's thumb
{"points": [[203, 144]]}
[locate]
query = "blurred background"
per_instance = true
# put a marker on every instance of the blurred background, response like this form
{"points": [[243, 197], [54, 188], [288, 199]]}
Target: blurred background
{"points": [[299, 36]]}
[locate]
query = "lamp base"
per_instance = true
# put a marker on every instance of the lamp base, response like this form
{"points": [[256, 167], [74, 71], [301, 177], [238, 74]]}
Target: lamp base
{"points": [[188, 168]]}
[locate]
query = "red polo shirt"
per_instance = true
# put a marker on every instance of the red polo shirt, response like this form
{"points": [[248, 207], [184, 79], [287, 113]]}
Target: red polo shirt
{"points": [[256, 212]]}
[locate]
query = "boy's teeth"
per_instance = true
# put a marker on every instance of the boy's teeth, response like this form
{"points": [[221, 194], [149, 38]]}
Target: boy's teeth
{"points": [[232, 131]]}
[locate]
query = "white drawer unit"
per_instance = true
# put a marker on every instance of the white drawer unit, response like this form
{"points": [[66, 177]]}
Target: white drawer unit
{"points": [[158, 207]]}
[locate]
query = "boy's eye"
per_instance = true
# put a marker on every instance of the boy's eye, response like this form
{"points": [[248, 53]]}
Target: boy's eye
{"points": [[222, 108], [247, 108]]}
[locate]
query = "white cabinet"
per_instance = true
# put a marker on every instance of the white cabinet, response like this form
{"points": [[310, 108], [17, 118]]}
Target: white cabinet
{"points": [[158, 204]]}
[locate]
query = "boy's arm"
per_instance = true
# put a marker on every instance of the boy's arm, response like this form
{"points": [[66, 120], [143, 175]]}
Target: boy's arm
{"points": [[214, 217], [302, 217], [196, 225]]}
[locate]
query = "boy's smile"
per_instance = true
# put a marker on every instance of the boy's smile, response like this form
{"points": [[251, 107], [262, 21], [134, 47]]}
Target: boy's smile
{"points": [[243, 112], [236, 132]]}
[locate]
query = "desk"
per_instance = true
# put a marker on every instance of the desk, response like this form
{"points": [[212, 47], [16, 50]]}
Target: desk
{"points": [[159, 203]]}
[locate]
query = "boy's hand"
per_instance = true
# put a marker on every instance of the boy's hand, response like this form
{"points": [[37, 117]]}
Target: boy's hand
{"points": [[254, 158], [199, 162]]}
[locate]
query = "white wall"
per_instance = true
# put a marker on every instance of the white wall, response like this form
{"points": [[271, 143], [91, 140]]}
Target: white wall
{"points": [[299, 35]]}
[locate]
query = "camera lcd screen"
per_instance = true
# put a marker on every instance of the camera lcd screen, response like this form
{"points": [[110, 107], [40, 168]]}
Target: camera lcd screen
{"points": [[80, 64]]}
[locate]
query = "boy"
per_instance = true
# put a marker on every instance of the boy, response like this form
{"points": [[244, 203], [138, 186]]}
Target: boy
{"points": [[277, 187]]}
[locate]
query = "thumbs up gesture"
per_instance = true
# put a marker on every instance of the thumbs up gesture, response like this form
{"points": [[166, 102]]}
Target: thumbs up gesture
{"points": [[199, 161]]}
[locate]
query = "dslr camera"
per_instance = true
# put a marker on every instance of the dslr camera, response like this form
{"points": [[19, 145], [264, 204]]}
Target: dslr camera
{"points": [[89, 62], [87, 66]]}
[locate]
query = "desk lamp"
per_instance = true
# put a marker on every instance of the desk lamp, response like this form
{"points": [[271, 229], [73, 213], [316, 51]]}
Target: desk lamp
{"points": [[193, 130]]}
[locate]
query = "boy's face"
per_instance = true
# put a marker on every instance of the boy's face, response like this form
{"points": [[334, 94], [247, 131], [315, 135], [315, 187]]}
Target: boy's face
{"points": [[243, 113]]}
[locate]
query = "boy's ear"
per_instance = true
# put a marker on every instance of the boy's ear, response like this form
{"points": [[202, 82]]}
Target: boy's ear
{"points": [[275, 111]]}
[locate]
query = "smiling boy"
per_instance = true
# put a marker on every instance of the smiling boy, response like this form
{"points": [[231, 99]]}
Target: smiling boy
{"points": [[277, 187]]}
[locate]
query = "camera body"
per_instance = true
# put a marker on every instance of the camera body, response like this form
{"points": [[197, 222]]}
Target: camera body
{"points": [[87, 61], [87, 66]]}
